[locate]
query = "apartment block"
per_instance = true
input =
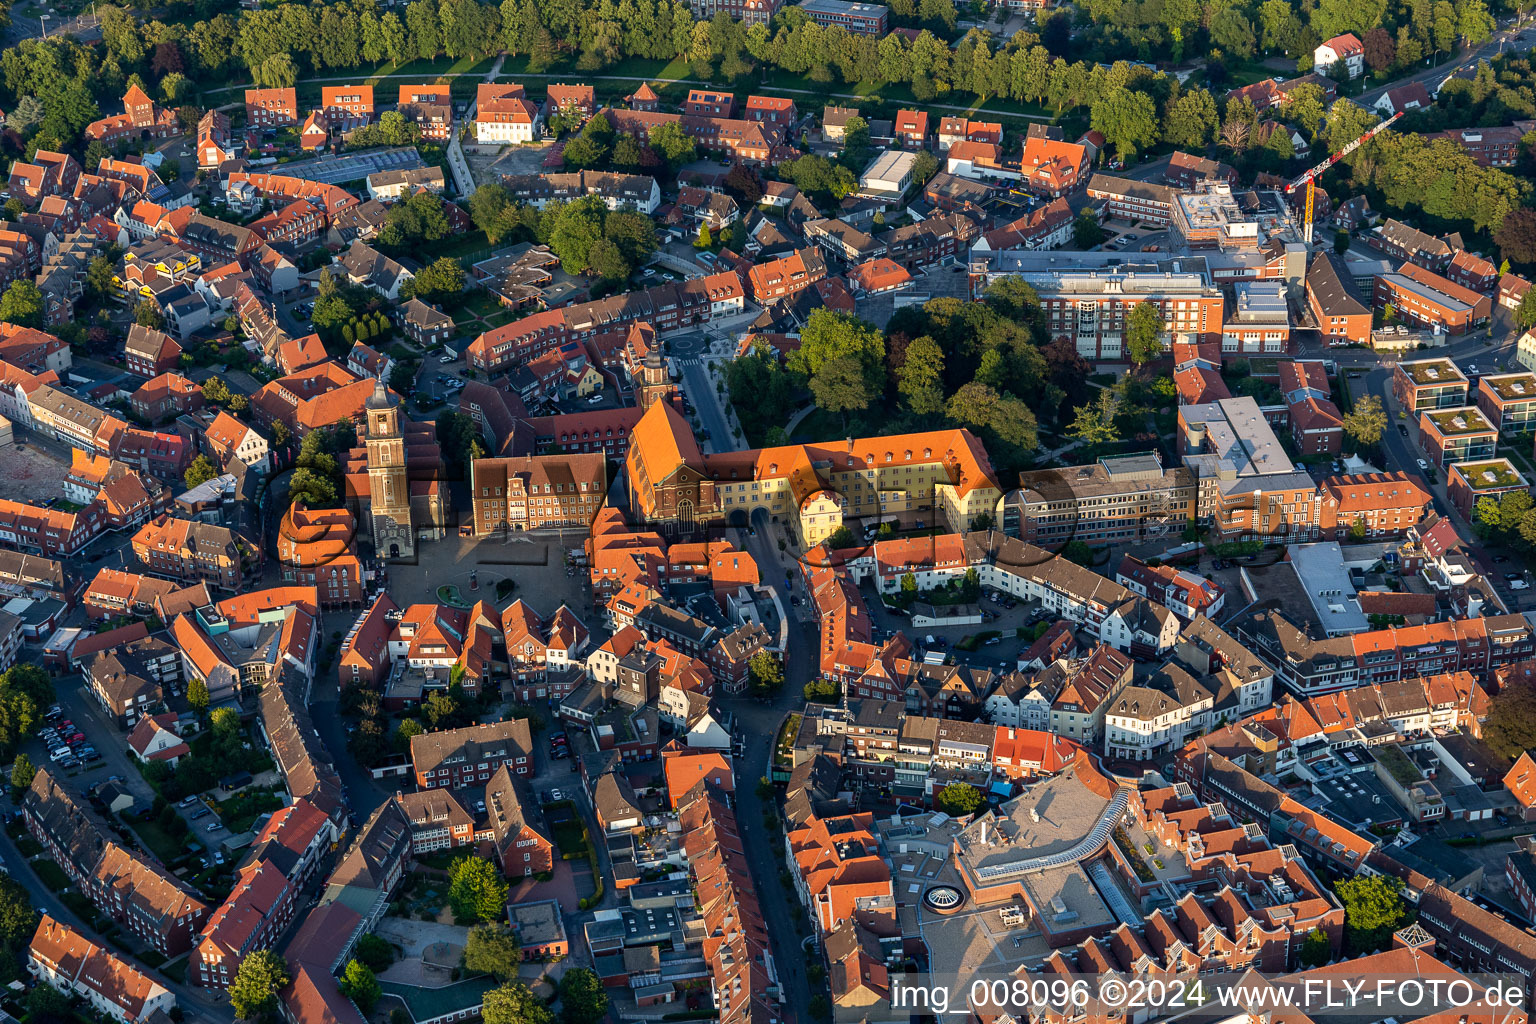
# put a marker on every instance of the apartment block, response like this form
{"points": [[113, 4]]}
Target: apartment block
{"points": [[1509, 401], [1466, 482], [458, 758], [1456, 435], [1429, 384]]}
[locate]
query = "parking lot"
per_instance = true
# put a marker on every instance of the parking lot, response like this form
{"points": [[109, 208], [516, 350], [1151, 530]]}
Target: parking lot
{"points": [[996, 654]]}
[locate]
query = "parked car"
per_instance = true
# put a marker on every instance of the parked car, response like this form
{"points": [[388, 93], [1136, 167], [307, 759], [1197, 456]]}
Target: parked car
{"points": [[201, 812], [213, 826], [445, 359]]}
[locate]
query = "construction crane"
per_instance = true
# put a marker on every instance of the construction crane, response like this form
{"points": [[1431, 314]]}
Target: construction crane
{"points": [[1309, 179]]}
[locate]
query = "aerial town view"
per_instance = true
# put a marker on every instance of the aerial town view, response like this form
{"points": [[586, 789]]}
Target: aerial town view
{"points": [[753, 511]]}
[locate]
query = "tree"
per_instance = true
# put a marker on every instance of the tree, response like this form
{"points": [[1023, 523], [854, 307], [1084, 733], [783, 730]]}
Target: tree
{"points": [[1144, 333], [514, 1004], [1358, 530], [199, 472], [1094, 423], [225, 723], [257, 981], [764, 673], [1366, 421], [704, 239], [1233, 33], [606, 261], [1511, 727], [359, 985], [215, 391], [22, 304], [276, 72], [492, 949], [920, 378], [440, 280], [856, 141], [1086, 232], [197, 696], [375, 952], [1127, 120], [1380, 50], [27, 115], [841, 385], [1525, 313], [1373, 910], [1316, 950], [476, 890], [1516, 236], [1192, 121], [827, 335], [1341, 242], [743, 183], [672, 144], [22, 772], [583, 1000], [977, 405], [960, 799], [842, 537], [46, 1004]]}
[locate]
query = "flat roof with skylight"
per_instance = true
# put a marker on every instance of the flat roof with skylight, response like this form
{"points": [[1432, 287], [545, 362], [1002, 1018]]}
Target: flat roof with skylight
{"points": [[1512, 387], [1468, 419], [1489, 475], [1432, 371]]}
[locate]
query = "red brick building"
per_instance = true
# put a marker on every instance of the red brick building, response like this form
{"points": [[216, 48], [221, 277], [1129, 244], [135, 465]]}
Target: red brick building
{"points": [[1341, 313], [457, 758], [787, 275], [271, 108], [1389, 503]]}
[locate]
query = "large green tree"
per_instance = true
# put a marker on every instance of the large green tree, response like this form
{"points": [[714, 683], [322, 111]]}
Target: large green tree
{"points": [[22, 304], [492, 949], [1367, 421], [476, 890], [1144, 333], [1373, 910], [359, 985], [257, 981], [1127, 120], [514, 1003], [583, 1000]]}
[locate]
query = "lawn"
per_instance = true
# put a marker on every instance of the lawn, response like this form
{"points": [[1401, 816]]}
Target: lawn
{"points": [[450, 595], [50, 874], [160, 842], [567, 831], [478, 303], [241, 810], [467, 244], [176, 970]]}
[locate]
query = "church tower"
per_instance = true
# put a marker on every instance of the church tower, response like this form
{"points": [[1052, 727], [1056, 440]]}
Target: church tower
{"points": [[389, 486], [654, 385]]}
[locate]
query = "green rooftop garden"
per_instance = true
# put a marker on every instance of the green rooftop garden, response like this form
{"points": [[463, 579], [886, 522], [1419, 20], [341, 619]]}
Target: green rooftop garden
{"points": [[1498, 473], [1402, 770]]}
